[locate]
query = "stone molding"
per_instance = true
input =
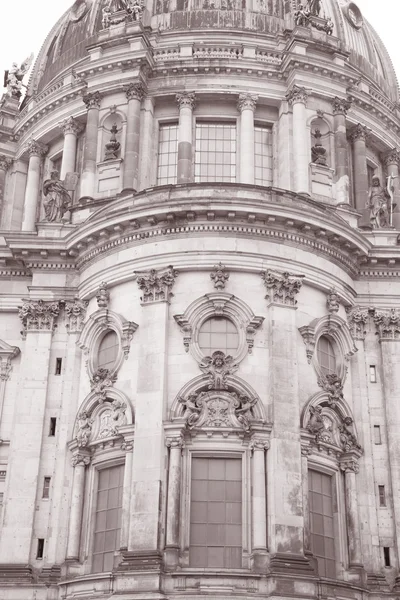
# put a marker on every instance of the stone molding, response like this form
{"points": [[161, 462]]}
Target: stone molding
{"points": [[156, 285], [175, 442], [35, 148], [259, 444], [219, 276], [333, 301], [71, 125], [357, 317], [5, 163], [341, 106], [247, 102], [359, 132], [350, 465], [387, 323], [92, 100], [392, 158], [80, 459], [101, 381], [135, 91], [38, 316], [282, 287], [186, 100], [103, 295], [7, 354], [75, 314], [297, 94]]}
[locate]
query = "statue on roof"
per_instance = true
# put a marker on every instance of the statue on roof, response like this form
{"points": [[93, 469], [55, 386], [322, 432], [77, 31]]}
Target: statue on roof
{"points": [[13, 77], [302, 15]]}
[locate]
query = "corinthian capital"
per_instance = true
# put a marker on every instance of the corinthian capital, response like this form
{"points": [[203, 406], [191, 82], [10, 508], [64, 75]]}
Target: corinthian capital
{"points": [[340, 106], [5, 162], [186, 99], [156, 285], [392, 158], [387, 323], [38, 315], [70, 125], [259, 444], [247, 101], [36, 148], [359, 132], [297, 94], [135, 91], [282, 287], [357, 317], [92, 100]]}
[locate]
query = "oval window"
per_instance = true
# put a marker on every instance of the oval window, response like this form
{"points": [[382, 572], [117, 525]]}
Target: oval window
{"points": [[108, 351], [326, 355]]}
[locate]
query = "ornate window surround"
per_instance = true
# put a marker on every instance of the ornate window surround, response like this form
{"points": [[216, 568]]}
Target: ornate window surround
{"points": [[219, 304], [95, 328]]}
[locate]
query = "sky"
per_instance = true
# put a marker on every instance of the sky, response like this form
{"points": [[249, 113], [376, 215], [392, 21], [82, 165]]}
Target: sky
{"points": [[26, 25]]}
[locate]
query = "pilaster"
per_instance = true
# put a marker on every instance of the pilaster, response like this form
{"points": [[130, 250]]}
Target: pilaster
{"points": [[186, 103], [247, 105], [342, 180]]}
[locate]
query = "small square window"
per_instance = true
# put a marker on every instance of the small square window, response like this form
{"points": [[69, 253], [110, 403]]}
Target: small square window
{"points": [[377, 435], [40, 548], [46, 487], [52, 428], [372, 374]]}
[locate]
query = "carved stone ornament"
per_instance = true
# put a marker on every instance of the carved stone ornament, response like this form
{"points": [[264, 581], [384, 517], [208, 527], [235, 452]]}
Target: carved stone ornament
{"points": [[186, 329], [251, 331], [176, 441], [78, 10], [35, 148], [38, 315], [5, 163], [350, 466], [75, 314], [259, 444], [333, 301], [218, 367], [347, 438], [387, 323], [341, 106], [81, 459], [186, 99], [101, 381], [71, 125], [297, 94], [7, 354], [113, 146], [359, 132], [391, 158], [156, 285], [84, 429], [219, 276], [282, 287], [103, 295], [92, 100], [111, 419], [218, 410], [318, 152], [357, 317], [247, 102], [333, 386], [135, 91]]}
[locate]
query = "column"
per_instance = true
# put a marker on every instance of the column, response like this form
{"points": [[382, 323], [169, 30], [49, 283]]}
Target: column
{"points": [[88, 182], [186, 103], [38, 321], [36, 153], [71, 129], [247, 106], [342, 179], [305, 452], [126, 497], [6, 356], [4, 166], [297, 98], [259, 505], [79, 462], [135, 95], [360, 174], [148, 148], [175, 445], [391, 161], [350, 468]]}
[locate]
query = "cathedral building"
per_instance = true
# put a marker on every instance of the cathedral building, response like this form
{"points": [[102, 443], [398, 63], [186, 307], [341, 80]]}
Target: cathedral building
{"points": [[200, 306]]}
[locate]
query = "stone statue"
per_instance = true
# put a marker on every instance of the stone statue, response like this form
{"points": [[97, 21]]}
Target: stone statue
{"points": [[106, 17], [318, 152], [329, 25], [102, 380], [136, 9], [347, 437], [314, 7], [118, 414], [378, 205], [333, 386], [243, 407], [193, 410], [14, 76], [217, 367], [316, 423], [113, 146], [302, 16], [84, 429], [57, 201]]}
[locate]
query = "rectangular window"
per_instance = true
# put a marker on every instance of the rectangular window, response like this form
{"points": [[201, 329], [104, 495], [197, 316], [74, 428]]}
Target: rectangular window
{"points": [[372, 374], [216, 513], [382, 495], [40, 548], [377, 435], [167, 154], [215, 158], [58, 366], [46, 487], [108, 518], [53, 425], [262, 156], [321, 522], [386, 555]]}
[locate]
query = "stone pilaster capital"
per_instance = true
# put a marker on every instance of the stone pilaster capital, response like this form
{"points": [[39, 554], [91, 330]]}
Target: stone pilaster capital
{"points": [[282, 287], [175, 441], [81, 459], [387, 323], [92, 100], [127, 445], [70, 125], [38, 316], [186, 100], [6, 355], [306, 450], [359, 132], [341, 106], [349, 465], [392, 158], [75, 313], [135, 91], [247, 102], [35, 148], [156, 285], [297, 94], [5, 163], [357, 317], [259, 444]]}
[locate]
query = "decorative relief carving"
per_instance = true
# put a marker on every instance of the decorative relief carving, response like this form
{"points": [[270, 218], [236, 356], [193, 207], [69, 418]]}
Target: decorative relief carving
{"points": [[7, 353], [282, 287], [35, 148], [186, 99], [347, 437], [218, 409], [259, 444], [218, 367], [333, 386], [71, 125], [297, 94], [38, 315], [219, 276], [156, 285], [341, 106], [359, 132], [387, 323], [128, 329], [5, 163], [247, 102], [333, 301], [103, 295], [135, 91], [350, 466], [251, 331], [357, 317], [309, 339], [92, 100], [75, 313], [186, 329], [85, 424], [111, 419], [101, 381], [80, 459]]}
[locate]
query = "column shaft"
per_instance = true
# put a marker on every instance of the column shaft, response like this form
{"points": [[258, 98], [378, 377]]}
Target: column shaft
{"points": [[297, 97], [185, 137], [126, 500], [174, 497], [36, 151], [88, 181], [247, 105], [353, 519], [259, 500], [342, 179], [147, 147], [69, 155], [360, 173], [135, 95], [75, 518]]}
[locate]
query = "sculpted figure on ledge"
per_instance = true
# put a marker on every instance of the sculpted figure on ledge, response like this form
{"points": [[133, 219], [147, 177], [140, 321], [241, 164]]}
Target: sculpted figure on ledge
{"points": [[14, 76], [302, 16], [379, 204], [57, 201]]}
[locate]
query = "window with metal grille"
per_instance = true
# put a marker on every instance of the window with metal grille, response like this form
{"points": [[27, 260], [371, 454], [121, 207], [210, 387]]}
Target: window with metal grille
{"points": [[382, 495], [108, 518], [46, 487], [326, 355], [216, 513], [321, 522], [262, 156], [108, 351], [167, 154], [218, 333], [215, 158], [372, 374]]}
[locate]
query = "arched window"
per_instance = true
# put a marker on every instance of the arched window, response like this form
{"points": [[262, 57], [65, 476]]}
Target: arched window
{"points": [[108, 351], [326, 355], [218, 333]]}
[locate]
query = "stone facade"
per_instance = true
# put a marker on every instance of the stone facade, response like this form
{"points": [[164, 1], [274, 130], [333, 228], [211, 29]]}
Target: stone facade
{"points": [[200, 349]]}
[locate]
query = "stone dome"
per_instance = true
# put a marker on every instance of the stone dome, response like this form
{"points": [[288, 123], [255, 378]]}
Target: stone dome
{"points": [[79, 28]]}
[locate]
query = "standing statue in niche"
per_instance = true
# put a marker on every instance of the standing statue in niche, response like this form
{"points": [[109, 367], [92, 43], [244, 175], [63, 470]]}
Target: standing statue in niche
{"points": [[14, 76], [378, 204], [113, 146], [58, 200], [318, 152]]}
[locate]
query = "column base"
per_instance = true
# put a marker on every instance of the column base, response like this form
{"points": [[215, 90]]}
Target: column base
{"points": [[128, 190], [50, 575], [260, 561], [16, 573], [376, 582], [140, 560], [293, 563], [171, 558]]}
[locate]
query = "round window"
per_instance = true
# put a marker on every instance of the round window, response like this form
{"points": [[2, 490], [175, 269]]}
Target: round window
{"points": [[354, 15], [218, 333], [108, 351], [326, 355]]}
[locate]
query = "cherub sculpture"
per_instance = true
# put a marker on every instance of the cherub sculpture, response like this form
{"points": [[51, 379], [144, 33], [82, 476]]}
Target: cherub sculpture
{"points": [[102, 379], [316, 423], [243, 406], [13, 77], [332, 384], [118, 414], [347, 437], [58, 200], [217, 367], [193, 409], [84, 429]]}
